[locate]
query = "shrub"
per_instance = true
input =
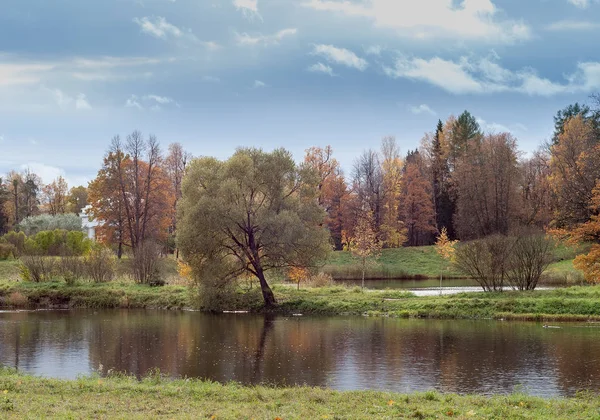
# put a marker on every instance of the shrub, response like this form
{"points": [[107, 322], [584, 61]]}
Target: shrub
{"points": [[321, 280], [17, 299], [7, 250], [146, 264], [485, 260], [36, 268], [530, 255], [45, 222], [100, 264], [71, 269], [57, 242], [17, 239]]}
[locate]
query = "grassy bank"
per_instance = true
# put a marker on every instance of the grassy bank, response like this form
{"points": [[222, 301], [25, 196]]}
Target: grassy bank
{"points": [[424, 262], [573, 303], [155, 397]]}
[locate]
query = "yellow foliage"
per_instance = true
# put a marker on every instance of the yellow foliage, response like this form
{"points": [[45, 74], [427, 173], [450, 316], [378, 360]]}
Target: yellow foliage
{"points": [[184, 269], [444, 246], [590, 264]]}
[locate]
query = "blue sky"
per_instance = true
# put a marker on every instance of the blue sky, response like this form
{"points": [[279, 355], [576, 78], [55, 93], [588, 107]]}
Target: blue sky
{"points": [[217, 74]]}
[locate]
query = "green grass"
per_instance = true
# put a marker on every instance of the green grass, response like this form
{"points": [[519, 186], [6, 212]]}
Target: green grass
{"points": [[413, 262], [424, 262], [28, 397]]}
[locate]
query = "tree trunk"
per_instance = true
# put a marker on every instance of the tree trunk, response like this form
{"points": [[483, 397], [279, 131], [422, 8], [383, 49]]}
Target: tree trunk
{"points": [[363, 273], [267, 293]]}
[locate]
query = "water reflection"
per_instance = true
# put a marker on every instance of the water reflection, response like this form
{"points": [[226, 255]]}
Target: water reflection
{"points": [[343, 353]]}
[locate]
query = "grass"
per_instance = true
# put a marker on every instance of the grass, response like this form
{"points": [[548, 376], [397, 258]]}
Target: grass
{"points": [[28, 397], [424, 262]]}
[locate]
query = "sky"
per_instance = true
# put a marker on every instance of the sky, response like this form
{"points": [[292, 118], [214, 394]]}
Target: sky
{"points": [[218, 74]]}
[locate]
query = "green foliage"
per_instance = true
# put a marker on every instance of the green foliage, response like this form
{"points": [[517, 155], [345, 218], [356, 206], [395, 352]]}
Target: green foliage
{"points": [[252, 213], [17, 239], [7, 251], [57, 242], [45, 222]]}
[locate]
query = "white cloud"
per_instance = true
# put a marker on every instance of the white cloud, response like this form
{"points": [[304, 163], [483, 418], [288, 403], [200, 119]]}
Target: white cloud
{"points": [[250, 40], [340, 56], [472, 76], [65, 101], [158, 27], [582, 4], [211, 79], [258, 84], [423, 108], [321, 68], [475, 20], [492, 127], [133, 102], [22, 73], [572, 25], [211, 45], [249, 8], [46, 172], [154, 102], [81, 102], [374, 50]]}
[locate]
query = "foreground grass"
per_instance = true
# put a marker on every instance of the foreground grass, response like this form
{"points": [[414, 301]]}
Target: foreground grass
{"points": [[27, 397], [579, 303]]}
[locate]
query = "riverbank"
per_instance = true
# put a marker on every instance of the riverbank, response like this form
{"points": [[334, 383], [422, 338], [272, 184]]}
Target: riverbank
{"points": [[23, 396], [579, 303]]}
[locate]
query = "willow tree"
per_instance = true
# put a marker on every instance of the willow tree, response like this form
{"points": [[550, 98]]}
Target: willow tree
{"points": [[247, 215]]}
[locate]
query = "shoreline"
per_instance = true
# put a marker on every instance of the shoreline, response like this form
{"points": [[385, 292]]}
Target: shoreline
{"points": [[577, 303], [121, 396]]}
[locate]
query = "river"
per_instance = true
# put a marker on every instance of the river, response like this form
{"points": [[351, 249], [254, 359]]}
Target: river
{"points": [[337, 352]]}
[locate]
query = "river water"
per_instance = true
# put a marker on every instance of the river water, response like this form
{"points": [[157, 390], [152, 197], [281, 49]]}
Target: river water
{"points": [[338, 352]]}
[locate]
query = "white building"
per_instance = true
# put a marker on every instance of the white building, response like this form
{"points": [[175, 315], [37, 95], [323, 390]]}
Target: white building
{"points": [[89, 227]]}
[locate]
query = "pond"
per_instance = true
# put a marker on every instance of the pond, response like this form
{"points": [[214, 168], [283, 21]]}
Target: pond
{"points": [[411, 283], [338, 352]]}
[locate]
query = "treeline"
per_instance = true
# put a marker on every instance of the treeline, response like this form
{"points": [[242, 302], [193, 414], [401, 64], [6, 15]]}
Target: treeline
{"points": [[473, 184]]}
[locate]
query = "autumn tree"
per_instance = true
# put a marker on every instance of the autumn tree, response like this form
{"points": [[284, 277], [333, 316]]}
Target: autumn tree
{"points": [[486, 181], [55, 196], [174, 166], [445, 248], [144, 188], [367, 184], [364, 244], [77, 199], [4, 200], [536, 199], [440, 172], [417, 202], [392, 231], [24, 192], [249, 214], [575, 167], [573, 111], [107, 206], [131, 195], [331, 186]]}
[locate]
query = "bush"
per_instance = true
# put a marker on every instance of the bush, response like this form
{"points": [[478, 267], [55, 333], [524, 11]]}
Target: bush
{"points": [[17, 299], [518, 261], [36, 268], [100, 264], [71, 269], [321, 280], [146, 264], [17, 239], [485, 260], [57, 242], [7, 250], [45, 222]]}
